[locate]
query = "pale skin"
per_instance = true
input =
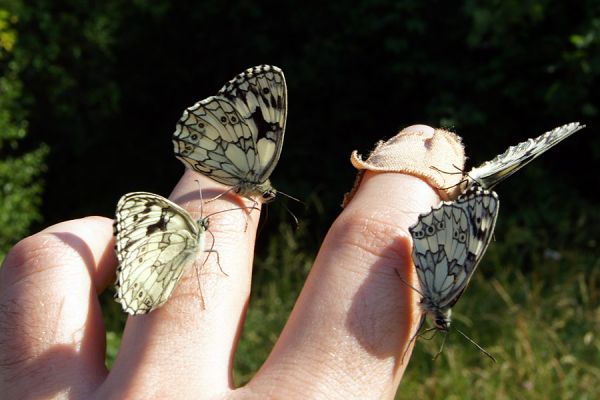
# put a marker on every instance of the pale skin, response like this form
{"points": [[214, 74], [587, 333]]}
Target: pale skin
{"points": [[345, 338]]}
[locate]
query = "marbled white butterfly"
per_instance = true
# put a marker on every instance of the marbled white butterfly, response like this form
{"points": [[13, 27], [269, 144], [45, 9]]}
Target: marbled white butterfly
{"points": [[236, 137], [156, 240], [448, 243]]}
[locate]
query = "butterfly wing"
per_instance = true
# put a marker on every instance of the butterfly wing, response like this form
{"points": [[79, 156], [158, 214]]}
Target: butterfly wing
{"points": [[260, 95], [449, 242], [490, 173], [236, 137], [156, 240], [214, 139]]}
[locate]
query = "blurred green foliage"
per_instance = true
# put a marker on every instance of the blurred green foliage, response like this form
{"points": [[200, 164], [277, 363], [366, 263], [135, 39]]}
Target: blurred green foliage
{"points": [[103, 83], [20, 165]]}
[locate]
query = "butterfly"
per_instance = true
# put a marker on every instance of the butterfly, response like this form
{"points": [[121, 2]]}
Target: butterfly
{"points": [[492, 172], [236, 137], [451, 239], [448, 244], [156, 240]]}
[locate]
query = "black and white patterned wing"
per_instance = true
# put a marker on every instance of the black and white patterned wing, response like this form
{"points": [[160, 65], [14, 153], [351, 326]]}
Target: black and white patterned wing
{"points": [[156, 240], [260, 95], [236, 137], [449, 242], [490, 173]]}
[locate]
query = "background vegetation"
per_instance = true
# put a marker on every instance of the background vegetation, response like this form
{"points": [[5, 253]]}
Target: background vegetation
{"points": [[90, 93]]}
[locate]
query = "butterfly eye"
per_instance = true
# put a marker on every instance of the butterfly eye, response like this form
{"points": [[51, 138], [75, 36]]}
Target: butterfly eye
{"points": [[430, 230], [194, 137], [266, 90], [234, 120], [268, 196], [224, 119], [441, 225], [418, 234], [201, 125], [441, 324]]}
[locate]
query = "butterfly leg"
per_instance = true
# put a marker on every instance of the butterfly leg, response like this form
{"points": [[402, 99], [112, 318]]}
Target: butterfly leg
{"points": [[414, 337], [202, 303], [220, 195], [211, 250], [441, 347]]}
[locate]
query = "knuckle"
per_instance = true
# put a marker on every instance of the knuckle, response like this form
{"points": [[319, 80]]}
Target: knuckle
{"points": [[375, 234], [31, 255]]}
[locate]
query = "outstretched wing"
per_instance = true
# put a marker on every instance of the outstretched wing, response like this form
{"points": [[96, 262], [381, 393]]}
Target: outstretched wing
{"points": [[449, 242], [490, 173], [156, 240], [236, 137]]}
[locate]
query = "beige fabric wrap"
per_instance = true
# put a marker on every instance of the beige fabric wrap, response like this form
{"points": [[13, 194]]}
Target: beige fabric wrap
{"points": [[422, 154]]}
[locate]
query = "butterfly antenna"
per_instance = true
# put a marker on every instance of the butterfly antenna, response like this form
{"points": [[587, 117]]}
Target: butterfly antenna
{"points": [[290, 211], [476, 345], [292, 215], [237, 208], [233, 209], [291, 197], [201, 199]]}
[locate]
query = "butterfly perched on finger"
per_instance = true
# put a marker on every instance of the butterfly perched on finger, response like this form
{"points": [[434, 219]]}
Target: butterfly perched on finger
{"points": [[236, 136], [450, 240], [448, 243], [156, 241]]}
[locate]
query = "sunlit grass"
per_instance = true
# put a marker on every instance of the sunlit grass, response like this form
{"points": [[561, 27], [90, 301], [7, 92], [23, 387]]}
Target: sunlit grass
{"points": [[542, 327]]}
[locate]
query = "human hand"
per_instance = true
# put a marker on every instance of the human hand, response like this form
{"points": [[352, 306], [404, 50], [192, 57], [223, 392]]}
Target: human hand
{"points": [[346, 337]]}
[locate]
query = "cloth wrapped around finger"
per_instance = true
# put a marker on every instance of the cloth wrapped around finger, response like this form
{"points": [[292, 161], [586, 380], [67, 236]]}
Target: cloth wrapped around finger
{"points": [[429, 155]]}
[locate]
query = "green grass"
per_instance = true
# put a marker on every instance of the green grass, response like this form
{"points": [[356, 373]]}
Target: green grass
{"points": [[542, 327]]}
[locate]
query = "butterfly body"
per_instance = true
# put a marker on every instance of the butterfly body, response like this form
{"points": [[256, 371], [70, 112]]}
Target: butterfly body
{"points": [[156, 241], [236, 137]]}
